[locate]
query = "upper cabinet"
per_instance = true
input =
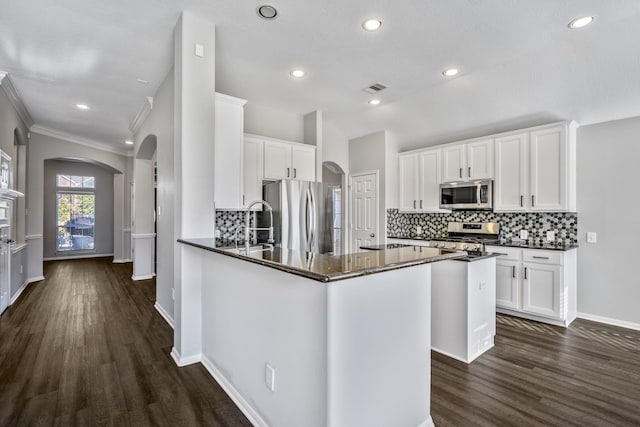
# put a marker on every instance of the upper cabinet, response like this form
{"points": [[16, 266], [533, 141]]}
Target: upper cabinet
{"points": [[469, 161], [228, 163], [289, 160], [419, 180], [535, 170]]}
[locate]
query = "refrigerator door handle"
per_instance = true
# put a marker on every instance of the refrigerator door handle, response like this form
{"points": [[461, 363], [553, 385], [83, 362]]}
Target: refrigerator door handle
{"points": [[311, 223]]}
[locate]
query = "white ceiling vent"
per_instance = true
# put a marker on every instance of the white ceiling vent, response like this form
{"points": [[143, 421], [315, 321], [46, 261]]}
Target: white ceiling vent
{"points": [[375, 88]]}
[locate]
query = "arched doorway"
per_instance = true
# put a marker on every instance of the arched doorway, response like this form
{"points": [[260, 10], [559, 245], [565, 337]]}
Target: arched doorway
{"points": [[334, 177], [143, 202]]}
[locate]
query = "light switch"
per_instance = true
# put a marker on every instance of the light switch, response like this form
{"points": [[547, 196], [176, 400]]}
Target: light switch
{"points": [[592, 237], [270, 377], [199, 50], [418, 230]]}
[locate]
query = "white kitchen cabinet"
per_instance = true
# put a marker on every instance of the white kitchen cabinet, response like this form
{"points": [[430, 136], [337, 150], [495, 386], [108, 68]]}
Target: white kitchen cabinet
{"points": [[537, 284], [289, 160], [419, 181], [535, 170], [469, 161], [228, 162], [252, 171]]}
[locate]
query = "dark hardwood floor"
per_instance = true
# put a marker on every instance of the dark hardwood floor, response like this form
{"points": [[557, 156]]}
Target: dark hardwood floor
{"points": [[86, 347]]}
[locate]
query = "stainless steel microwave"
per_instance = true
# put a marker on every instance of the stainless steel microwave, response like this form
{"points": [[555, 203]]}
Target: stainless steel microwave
{"points": [[467, 195]]}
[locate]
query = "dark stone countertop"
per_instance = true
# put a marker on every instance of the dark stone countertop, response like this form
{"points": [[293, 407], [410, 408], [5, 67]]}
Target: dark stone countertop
{"points": [[329, 268], [470, 257], [524, 244]]}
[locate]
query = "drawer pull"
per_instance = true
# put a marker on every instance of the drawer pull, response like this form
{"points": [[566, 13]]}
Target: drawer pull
{"points": [[541, 257], [525, 273], [513, 271]]}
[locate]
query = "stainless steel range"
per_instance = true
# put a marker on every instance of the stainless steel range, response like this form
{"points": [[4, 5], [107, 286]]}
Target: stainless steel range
{"points": [[468, 236]]}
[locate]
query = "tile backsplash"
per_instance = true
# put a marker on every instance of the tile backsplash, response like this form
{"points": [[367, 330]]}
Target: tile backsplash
{"points": [[228, 221], [565, 225]]}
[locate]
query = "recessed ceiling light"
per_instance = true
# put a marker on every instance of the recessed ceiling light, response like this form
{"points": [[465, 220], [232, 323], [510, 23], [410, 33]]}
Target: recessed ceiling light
{"points": [[297, 73], [374, 102], [581, 22], [82, 106], [372, 24], [450, 72], [267, 11], [128, 142]]}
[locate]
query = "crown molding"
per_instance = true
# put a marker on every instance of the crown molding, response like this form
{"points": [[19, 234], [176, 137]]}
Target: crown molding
{"points": [[142, 115], [54, 133], [12, 93]]}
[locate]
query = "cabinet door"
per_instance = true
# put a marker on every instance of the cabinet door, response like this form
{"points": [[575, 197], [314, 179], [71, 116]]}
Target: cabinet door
{"points": [[541, 289], [508, 284], [548, 177], [277, 160], [303, 162], [480, 160], [453, 163], [229, 120], [252, 171], [408, 181], [430, 178], [510, 186]]}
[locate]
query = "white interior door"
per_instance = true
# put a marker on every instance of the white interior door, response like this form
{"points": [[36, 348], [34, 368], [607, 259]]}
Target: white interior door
{"points": [[364, 196], [5, 274]]}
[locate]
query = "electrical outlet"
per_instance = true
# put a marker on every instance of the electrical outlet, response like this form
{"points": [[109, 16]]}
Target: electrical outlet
{"points": [[551, 236], [524, 234], [199, 50], [592, 237], [270, 377], [418, 230], [483, 285], [217, 234]]}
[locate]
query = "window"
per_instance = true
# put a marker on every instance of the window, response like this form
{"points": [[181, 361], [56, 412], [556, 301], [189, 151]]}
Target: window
{"points": [[74, 181], [75, 220]]}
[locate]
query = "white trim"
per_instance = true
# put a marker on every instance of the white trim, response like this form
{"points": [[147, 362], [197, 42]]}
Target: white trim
{"points": [[427, 423], [184, 361], [77, 140], [9, 194], [126, 230], [141, 115], [244, 406], [18, 248], [145, 277], [609, 321], [230, 99], [143, 236], [78, 256], [164, 314], [33, 237], [35, 279], [19, 292], [535, 318], [122, 261], [12, 93]]}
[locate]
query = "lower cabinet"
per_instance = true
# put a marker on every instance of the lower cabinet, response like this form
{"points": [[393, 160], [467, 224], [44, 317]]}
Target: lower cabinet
{"points": [[537, 284]]}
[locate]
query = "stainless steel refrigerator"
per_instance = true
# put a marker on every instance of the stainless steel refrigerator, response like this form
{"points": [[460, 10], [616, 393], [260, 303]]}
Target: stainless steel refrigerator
{"points": [[307, 216]]}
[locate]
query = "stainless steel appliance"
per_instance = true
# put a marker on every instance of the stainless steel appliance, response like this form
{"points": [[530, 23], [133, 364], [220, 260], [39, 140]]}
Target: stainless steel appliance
{"points": [[306, 215], [468, 236], [476, 195]]}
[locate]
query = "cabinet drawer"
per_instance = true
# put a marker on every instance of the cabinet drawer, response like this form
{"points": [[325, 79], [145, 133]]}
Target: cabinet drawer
{"points": [[542, 257], [512, 254]]}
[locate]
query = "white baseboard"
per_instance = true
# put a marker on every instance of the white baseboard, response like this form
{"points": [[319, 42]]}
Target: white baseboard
{"points": [[35, 279], [609, 321], [62, 258], [145, 277], [427, 423], [17, 295], [122, 261], [164, 314], [241, 403], [184, 361]]}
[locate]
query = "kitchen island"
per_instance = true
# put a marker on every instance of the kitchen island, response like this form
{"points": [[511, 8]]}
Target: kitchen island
{"points": [[298, 338]]}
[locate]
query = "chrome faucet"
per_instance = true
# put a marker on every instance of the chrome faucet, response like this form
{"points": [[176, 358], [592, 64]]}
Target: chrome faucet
{"points": [[248, 228]]}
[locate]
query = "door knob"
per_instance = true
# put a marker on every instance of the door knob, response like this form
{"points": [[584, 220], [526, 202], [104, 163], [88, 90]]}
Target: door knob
{"points": [[372, 235]]}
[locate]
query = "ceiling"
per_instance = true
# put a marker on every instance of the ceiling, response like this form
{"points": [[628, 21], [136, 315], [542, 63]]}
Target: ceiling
{"points": [[519, 63]]}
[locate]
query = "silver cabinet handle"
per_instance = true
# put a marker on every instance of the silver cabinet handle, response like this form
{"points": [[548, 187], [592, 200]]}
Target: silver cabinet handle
{"points": [[541, 257], [533, 200], [513, 271], [460, 172], [414, 204], [469, 171], [288, 172], [522, 201], [294, 172], [525, 273], [421, 204]]}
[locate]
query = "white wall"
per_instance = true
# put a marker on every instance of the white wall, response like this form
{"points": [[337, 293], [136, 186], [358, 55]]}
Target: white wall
{"points": [[160, 123], [43, 147], [608, 155], [265, 121]]}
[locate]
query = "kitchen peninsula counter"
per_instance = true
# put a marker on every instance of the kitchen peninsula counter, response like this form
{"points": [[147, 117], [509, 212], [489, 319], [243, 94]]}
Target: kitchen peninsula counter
{"points": [[523, 244], [329, 268]]}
